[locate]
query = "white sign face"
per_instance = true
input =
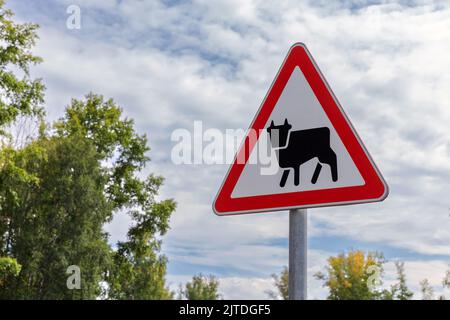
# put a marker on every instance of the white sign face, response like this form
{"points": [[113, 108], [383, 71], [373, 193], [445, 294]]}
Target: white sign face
{"points": [[305, 152], [300, 106]]}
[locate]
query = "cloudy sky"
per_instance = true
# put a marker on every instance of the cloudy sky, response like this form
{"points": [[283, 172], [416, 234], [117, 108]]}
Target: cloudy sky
{"points": [[170, 63]]}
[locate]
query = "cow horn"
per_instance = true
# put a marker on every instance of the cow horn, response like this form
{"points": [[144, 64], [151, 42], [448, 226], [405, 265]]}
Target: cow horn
{"points": [[285, 121], [272, 124]]}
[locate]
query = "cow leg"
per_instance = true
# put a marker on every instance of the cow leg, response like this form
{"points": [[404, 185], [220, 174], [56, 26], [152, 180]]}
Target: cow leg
{"points": [[331, 160], [316, 173], [333, 166], [297, 175], [284, 178]]}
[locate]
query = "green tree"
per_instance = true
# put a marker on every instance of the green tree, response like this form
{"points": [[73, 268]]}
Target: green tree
{"points": [[445, 284], [354, 276], [427, 290], [446, 280], [55, 218], [201, 288], [59, 189], [58, 192], [282, 284], [8, 268], [20, 94], [138, 270], [400, 291]]}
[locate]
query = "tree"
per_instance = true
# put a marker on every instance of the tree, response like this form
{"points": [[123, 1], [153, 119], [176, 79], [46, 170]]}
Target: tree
{"points": [[446, 280], [354, 276], [445, 284], [19, 93], [282, 285], [138, 270], [8, 268], [201, 288], [400, 291], [427, 290], [57, 193], [55, 218], [59, 189]]}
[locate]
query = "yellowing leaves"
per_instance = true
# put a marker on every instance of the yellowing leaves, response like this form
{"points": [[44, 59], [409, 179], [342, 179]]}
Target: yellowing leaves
{"points": [[347, 275]]}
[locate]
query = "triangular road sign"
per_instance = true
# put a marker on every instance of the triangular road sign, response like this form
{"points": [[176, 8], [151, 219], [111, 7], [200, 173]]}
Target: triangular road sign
{"points": [[316, 157]]}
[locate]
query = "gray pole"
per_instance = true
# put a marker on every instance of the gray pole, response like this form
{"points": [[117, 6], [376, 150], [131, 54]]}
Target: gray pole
{"points": [[297, 254]]}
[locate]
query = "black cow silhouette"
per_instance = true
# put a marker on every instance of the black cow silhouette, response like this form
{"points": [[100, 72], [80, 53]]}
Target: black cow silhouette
{"points": [[293, 148]]}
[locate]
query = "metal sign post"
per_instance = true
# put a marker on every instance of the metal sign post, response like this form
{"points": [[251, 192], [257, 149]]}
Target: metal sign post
{"points": [[297, 254]]}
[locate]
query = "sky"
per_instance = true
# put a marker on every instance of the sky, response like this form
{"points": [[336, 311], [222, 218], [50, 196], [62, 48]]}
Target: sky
{"points": [[170, 63]]}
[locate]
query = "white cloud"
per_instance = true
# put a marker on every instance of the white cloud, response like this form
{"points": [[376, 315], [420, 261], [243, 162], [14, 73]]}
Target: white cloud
{"points": [[245, 288]]}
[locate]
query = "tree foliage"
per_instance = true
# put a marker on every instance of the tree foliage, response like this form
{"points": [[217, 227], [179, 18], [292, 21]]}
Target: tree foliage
{"points": [[55, 214], [427, 290], [281, 282], [400, 290], [201, 288], [446, 280], [58, 192], [9, 268], [20, 94], [354, 276]]}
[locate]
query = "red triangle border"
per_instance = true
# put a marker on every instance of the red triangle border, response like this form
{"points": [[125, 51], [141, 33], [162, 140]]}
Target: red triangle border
{"points": [[375, 187]]}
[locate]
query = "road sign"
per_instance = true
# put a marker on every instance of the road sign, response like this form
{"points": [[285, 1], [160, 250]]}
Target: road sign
{"points": [[314, 155]]}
